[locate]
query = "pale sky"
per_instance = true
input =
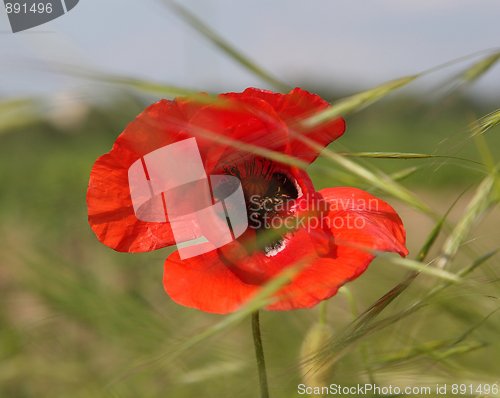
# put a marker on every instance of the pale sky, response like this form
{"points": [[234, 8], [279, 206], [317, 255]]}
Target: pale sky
{"points": [[334, 43]]}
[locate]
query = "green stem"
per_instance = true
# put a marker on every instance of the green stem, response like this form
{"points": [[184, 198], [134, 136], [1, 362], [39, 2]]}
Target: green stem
{"points": [[259, 353]]}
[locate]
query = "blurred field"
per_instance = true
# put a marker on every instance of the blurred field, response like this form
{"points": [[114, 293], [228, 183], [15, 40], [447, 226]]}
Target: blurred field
{"points": [[80, 320]]}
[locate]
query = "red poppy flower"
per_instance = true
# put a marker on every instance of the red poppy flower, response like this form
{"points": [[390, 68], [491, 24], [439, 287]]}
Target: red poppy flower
{"points": [[333, 232]]}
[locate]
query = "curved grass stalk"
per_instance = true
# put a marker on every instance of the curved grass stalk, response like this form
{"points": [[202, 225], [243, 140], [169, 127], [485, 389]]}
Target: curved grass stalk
{"points": [[221, 43]]}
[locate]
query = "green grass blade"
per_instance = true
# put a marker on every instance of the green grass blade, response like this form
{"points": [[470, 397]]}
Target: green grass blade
{"points": [[466, 271], [405, 173], [364, 326], [212, 370], [435, 232], [356, 330], [434, 350], [484, 151], [146, 86], [397, 176], [453, 86], [422, 302], [222, 44], [357, 102], [489, 121], [360, 100], [480, 127], [480, 68], [126, 81], [382, 182], [398, 155], [486, 194], [474, 327], [425, 269]]}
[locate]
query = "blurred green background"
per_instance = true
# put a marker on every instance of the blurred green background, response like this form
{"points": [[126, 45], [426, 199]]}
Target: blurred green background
{"points": [[80, 320]]}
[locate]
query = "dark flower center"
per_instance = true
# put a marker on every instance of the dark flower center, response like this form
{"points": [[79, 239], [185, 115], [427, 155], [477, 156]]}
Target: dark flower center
{"points": [[254, 185], [267, 191]]}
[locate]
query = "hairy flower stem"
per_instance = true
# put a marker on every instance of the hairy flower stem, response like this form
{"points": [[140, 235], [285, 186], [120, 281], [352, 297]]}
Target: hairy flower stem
{"points": [[259, 353]]}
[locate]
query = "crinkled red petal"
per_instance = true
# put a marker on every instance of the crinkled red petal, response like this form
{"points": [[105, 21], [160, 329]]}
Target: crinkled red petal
{"points": [[204, 282], [293, 108], [374, 224], [357, 221], [110, 210], [248, 124]]}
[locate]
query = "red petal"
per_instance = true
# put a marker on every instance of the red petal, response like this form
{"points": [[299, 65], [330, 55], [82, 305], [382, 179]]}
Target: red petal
{"points": [[300, 105], [374, 226], [322, 279], [205, 283], [294, 107], [373, 223], [210, 283], [110, 209], [245, 121]]}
